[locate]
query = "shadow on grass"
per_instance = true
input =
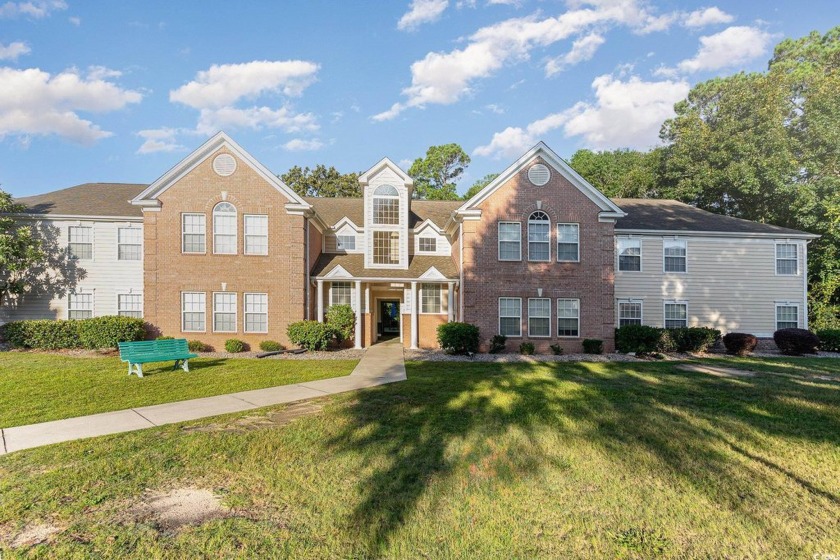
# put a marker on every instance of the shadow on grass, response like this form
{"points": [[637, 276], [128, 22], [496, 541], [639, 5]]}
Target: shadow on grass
{"points": [[710, 433], [195, 366]]}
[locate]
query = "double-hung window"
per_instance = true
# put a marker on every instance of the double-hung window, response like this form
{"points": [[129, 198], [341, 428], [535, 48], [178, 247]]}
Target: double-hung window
{"points": [[539, 317], [193, 233], [193, 311], [79, 305], [386, 247], [629, 254], [568, 242], [568, 317], [345, 242], [629, 313], [427, 244], [787, 259], [224, 312], [256, 313], [130, 305], [224, 229], [674, 254], [510, 241], [430, 298], [129, 244], [510, 316], [256, 235], [787, 316], [81, 242], [539, 247], [676, 314], [341, 293]]}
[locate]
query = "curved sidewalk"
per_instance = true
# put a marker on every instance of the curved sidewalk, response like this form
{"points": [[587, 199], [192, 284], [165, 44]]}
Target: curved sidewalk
{"points": [[382, 363]]}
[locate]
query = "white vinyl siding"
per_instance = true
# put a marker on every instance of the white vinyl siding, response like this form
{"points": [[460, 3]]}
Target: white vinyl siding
{"points": [[431, 299], [539, 317], [629, 313], [676, 314], [341, 293], [224, 229], [129, 244], [256, 313], [81, 242], [256, 235], [568, 243], [193, 312], [539, 233], [787, 316], [224, 312], [787, 261], [629, 254], [674, 255], [193, 233], [510, 241], [568, 318], [130, 305], [80, 305], [510, 316]]}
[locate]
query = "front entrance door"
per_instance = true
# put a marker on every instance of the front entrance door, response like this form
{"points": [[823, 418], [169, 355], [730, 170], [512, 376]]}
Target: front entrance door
{"points": [[389, 318]]}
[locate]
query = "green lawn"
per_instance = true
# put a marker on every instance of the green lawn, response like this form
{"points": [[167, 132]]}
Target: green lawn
{"points": [[565, 460], [37, 387]]}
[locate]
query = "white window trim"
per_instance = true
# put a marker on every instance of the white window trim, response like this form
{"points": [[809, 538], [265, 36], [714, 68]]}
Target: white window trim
{"points": [[776, 258], [84, 291], [499, 313], [441, 300], [641, 254], [119, 227], [245, 313], [786, 304], [630, 300], [235, 229], [352, 292], [129, 293], [550, 316], [184, 233], [580, 329], [245, 234], [235, 312], [557, 231], [426, 238], [183, 323], [499, 241], [338, 246], [685, 244], [675, 302], [547, 242], [92, 242]]}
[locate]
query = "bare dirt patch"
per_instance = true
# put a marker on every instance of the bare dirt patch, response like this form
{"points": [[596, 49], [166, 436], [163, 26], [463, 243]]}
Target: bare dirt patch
{"points": [[717, 371], [172, 509], [257, 422], [35, 534]]}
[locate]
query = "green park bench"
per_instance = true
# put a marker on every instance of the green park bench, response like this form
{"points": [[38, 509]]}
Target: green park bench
{"points": [[146, 351]]}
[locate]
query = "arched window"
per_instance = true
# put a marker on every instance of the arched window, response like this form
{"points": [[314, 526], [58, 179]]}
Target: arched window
{"points": [[224, 229], [386, 205], [539, 226]]}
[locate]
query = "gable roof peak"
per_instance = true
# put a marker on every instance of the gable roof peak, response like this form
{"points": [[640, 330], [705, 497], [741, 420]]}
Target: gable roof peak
{"points": [[385, 162]]}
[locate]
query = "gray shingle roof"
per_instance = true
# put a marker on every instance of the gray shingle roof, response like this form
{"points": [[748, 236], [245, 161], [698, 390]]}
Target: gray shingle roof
{"points": [[355, 265], [89, 199]]}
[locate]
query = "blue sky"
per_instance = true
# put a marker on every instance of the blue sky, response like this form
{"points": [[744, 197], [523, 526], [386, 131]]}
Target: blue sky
{"points": [[121, 91]]}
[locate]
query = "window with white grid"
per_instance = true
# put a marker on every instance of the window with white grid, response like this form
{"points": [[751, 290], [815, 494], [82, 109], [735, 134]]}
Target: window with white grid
{"points": [[129, 244], [386, 205], [224, 312], [510, 316], [130, 305], [539, 317], [341, 293], [193, 311], [430, 298], [193, 233], [629, 254], [787, 317], [539, 248], [510, 241], [568, 317], [675, 255], [787, 258], [256, 235], [224, 229], [676, 315], [256, 313], [568, 242], [428, 244], [80, 305], [386, 247], [629, 313], [81, 242], [345, 242]]}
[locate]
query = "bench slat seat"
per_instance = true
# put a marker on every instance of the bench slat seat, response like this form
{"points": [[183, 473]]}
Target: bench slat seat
{"points": [[147, 351]]}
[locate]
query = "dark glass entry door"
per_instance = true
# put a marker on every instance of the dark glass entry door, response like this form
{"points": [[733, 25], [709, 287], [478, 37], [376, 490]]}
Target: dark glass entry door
{"points": [[389, 317]]}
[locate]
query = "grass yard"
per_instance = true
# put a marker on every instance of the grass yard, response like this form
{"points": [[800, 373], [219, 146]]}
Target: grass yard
{"points": [[38, 387], [565, 460]]}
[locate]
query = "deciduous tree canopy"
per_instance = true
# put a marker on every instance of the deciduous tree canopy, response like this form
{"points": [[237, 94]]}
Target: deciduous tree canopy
{"points": [[435, 176], [322, 181]]}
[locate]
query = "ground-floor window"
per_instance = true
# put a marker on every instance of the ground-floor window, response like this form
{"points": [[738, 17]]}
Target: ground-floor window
{"points": [[568, 317], [629, 313], [130, 305], [256, 313], [787, 316], [430, 298], [341, 293], [539, 317], [79, 306], [676, 314], [193, 311], [224, 312], [510, 316]]}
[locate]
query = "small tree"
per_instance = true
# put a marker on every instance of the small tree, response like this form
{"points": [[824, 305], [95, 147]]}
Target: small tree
{"points": [[20, 249]]}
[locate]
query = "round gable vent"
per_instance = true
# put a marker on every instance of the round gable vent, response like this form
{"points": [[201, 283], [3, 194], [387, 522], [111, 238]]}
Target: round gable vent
{"points": [[539, 174], [224, 165]]}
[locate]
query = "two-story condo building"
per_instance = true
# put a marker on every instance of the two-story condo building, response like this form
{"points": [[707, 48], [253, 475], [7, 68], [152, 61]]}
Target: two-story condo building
{"points": [[220, 248]]}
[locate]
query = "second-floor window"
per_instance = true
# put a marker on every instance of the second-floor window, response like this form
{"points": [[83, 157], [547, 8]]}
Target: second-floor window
{"points": [[345, 242], [386, 247], [386, 205], [539, 248], [510, 241], [675, 255], [787, 259], [427, 244], [629, 254], [568, 242], [224, 229], [193, 233], [81, 242], [256, 235], [129, 244]]}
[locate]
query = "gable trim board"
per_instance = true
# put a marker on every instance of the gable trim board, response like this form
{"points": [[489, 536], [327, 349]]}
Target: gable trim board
{"points": [[365, 177]]}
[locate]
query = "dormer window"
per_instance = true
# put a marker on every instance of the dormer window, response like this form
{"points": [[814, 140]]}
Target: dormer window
{"points": [[386, 205]]}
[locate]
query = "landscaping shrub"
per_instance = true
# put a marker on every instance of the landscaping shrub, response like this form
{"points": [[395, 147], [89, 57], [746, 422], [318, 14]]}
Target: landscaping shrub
{"points": [[739, 344], [593, 346], [98, 332], [234, 345], [108, 331], [270, 346], [794, 342], [557, 350], [497, 343], [641, 339], [693, 339], [342, 321], [458, 338], [829, 340], [197, 346], [165, 338], [526, 348], [311, 335]]}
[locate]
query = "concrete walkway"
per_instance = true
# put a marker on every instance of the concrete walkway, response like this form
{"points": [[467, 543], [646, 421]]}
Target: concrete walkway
{"points": [[381, 363]]}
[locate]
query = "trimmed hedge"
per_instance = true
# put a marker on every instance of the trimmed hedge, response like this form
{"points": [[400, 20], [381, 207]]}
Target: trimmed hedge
{"points": [[593, 346], [342, 320], [197, 346], [693, 339], [497, 343], [234, 345], [829, 340], [556, 349], [311, 335], [740, 344], [270, 346], [643, 339], [98, 332], [458, 338], [794, 342], [526, 348]]}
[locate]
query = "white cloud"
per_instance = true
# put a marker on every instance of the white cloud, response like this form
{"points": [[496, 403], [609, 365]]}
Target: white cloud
{"points": [[102, 73], [625, 114], [707, 16], [34, 102], [32, 8], [303, 145], [582, 49], [13, 50], [75, 20], [733, 46], [159, 140], [211, 121], [495, 108], [420, 12]]}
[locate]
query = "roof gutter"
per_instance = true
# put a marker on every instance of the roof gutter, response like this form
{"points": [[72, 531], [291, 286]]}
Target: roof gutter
{"points": [[731, 234]]}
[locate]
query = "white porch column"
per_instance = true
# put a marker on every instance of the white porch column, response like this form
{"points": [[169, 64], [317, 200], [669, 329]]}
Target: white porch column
{"points": [[320, 307], [414, 322], [450, 306], [359, 310]]}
